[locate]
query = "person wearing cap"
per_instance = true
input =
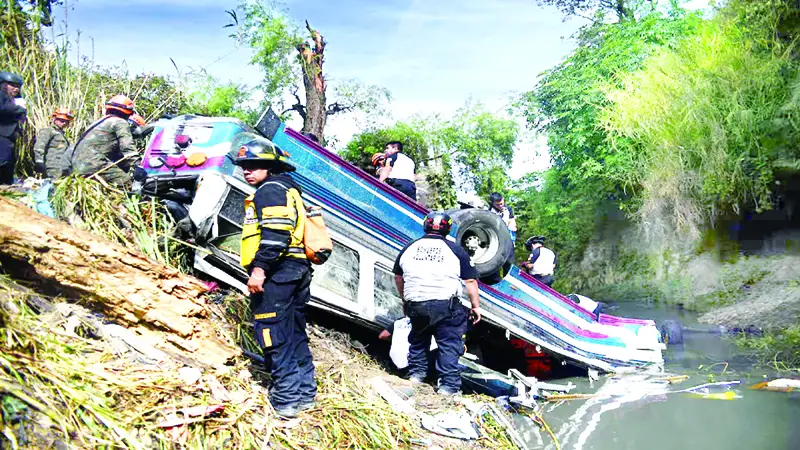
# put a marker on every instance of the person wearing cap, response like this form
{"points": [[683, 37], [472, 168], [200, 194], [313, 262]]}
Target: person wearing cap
{"points": [[279, 280], [429, 274], [139, 127], [399, 171], [107, 146], [51, 144], [11, 117], [542, 261]]}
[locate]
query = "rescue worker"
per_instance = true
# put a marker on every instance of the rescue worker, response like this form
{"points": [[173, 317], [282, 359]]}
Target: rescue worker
{"points": [[497, 206], [542, 261], [51, 145], [399, 171], [429, 274], [139, 126], [107, 144], [280, 274], [11, 117]]}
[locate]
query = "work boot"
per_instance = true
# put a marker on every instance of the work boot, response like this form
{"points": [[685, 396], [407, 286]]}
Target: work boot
{"points": [[415, 379], [286, 412], [447, 392], [305, 406]]}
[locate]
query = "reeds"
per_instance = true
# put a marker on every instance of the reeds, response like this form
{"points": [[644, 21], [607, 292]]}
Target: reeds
{"points": [[57, 386], [59, 72], [142, 224]]}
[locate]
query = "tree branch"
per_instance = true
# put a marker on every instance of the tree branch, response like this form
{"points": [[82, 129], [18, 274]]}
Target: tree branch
{"points": [[297, 107], [336, 107]]}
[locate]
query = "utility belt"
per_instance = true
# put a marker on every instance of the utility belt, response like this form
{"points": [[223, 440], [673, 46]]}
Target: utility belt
{"points": [[396, 180], [454, 301]]}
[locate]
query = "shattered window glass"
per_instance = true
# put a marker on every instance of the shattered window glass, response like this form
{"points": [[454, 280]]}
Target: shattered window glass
{"points": [[387, 300], [340, 273]]}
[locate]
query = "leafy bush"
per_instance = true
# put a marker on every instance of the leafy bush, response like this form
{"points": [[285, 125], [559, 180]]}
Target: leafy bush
{"points": [[696, 131]]}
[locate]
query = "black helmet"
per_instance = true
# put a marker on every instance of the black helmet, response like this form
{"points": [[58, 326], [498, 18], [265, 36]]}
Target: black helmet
{"points": [[12, 78], [495, 197], [534, 240], [438, 223], [261, 151]]}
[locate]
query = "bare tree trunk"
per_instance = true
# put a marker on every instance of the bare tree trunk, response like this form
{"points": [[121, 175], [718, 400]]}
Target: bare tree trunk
{"points": [[162, 305], [311, 60]]}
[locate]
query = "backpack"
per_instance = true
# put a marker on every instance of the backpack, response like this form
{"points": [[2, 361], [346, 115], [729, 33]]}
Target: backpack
{"points": [[316, 239]]}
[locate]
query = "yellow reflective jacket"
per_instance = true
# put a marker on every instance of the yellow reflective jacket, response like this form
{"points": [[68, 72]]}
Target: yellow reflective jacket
{"points": [[274, 223]]}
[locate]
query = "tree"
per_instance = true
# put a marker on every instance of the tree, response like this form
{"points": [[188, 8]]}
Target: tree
{"points": [[212, 98], [567, 104], [474, 150], [288, 60], [595, 9]]}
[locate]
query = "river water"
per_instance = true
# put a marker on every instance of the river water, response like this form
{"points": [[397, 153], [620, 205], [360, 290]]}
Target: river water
{"points": [[636, 412]]}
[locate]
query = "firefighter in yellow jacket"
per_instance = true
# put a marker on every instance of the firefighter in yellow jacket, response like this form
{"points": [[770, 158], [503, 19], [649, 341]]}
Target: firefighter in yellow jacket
{"points": [[280, 275]]}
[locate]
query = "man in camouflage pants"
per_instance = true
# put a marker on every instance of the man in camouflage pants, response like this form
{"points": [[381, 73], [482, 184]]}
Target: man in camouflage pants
{"points": [[106, 142], [51, 145]]}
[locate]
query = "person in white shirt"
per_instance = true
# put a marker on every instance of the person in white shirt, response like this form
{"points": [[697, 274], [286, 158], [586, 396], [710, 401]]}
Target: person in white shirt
{"points": [[497, 205], [399, 171], [542, 262], [398, 332]]}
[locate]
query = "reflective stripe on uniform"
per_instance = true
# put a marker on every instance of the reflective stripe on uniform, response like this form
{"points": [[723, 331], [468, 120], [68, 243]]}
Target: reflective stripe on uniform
{"points": [[289, 218], [278, 221], [273, 243], [267, 337]]}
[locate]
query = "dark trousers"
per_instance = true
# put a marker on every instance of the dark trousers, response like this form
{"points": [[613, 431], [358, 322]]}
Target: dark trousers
{"points": [[280, 328], [546, 279], [7, 159], [405, 186], [446, 321]]}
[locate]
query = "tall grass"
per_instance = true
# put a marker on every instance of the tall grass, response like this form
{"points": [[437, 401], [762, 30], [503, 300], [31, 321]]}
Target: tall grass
{"points": [[59, 72], [702, 126], [60, 389], [137, 223]]}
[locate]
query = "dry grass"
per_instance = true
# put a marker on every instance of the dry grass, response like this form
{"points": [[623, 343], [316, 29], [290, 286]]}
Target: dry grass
{"points": [[134, 222], [63, 385]]}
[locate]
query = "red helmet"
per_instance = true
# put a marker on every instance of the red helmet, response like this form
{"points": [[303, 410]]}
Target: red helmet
{"points": [[437, 223], [138, 120], [63, 114], [378, 159], [120, 103]]}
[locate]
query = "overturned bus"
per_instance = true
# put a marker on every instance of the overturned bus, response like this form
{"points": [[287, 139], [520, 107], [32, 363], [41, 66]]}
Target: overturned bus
{"points": [[189, 161]]}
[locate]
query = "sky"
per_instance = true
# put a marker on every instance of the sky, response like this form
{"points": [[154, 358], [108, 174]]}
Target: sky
{"points": [[432, 55]]}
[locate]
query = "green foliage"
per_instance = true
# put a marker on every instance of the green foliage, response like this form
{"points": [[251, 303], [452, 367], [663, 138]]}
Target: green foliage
{"points": [[481, 146], [273, 37], [370, 100], [415, 135], [567, 101], [780, 348], [621, 9], [215, 99], [569, 201], [698, 131], [475, 147], [52, 81]]}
